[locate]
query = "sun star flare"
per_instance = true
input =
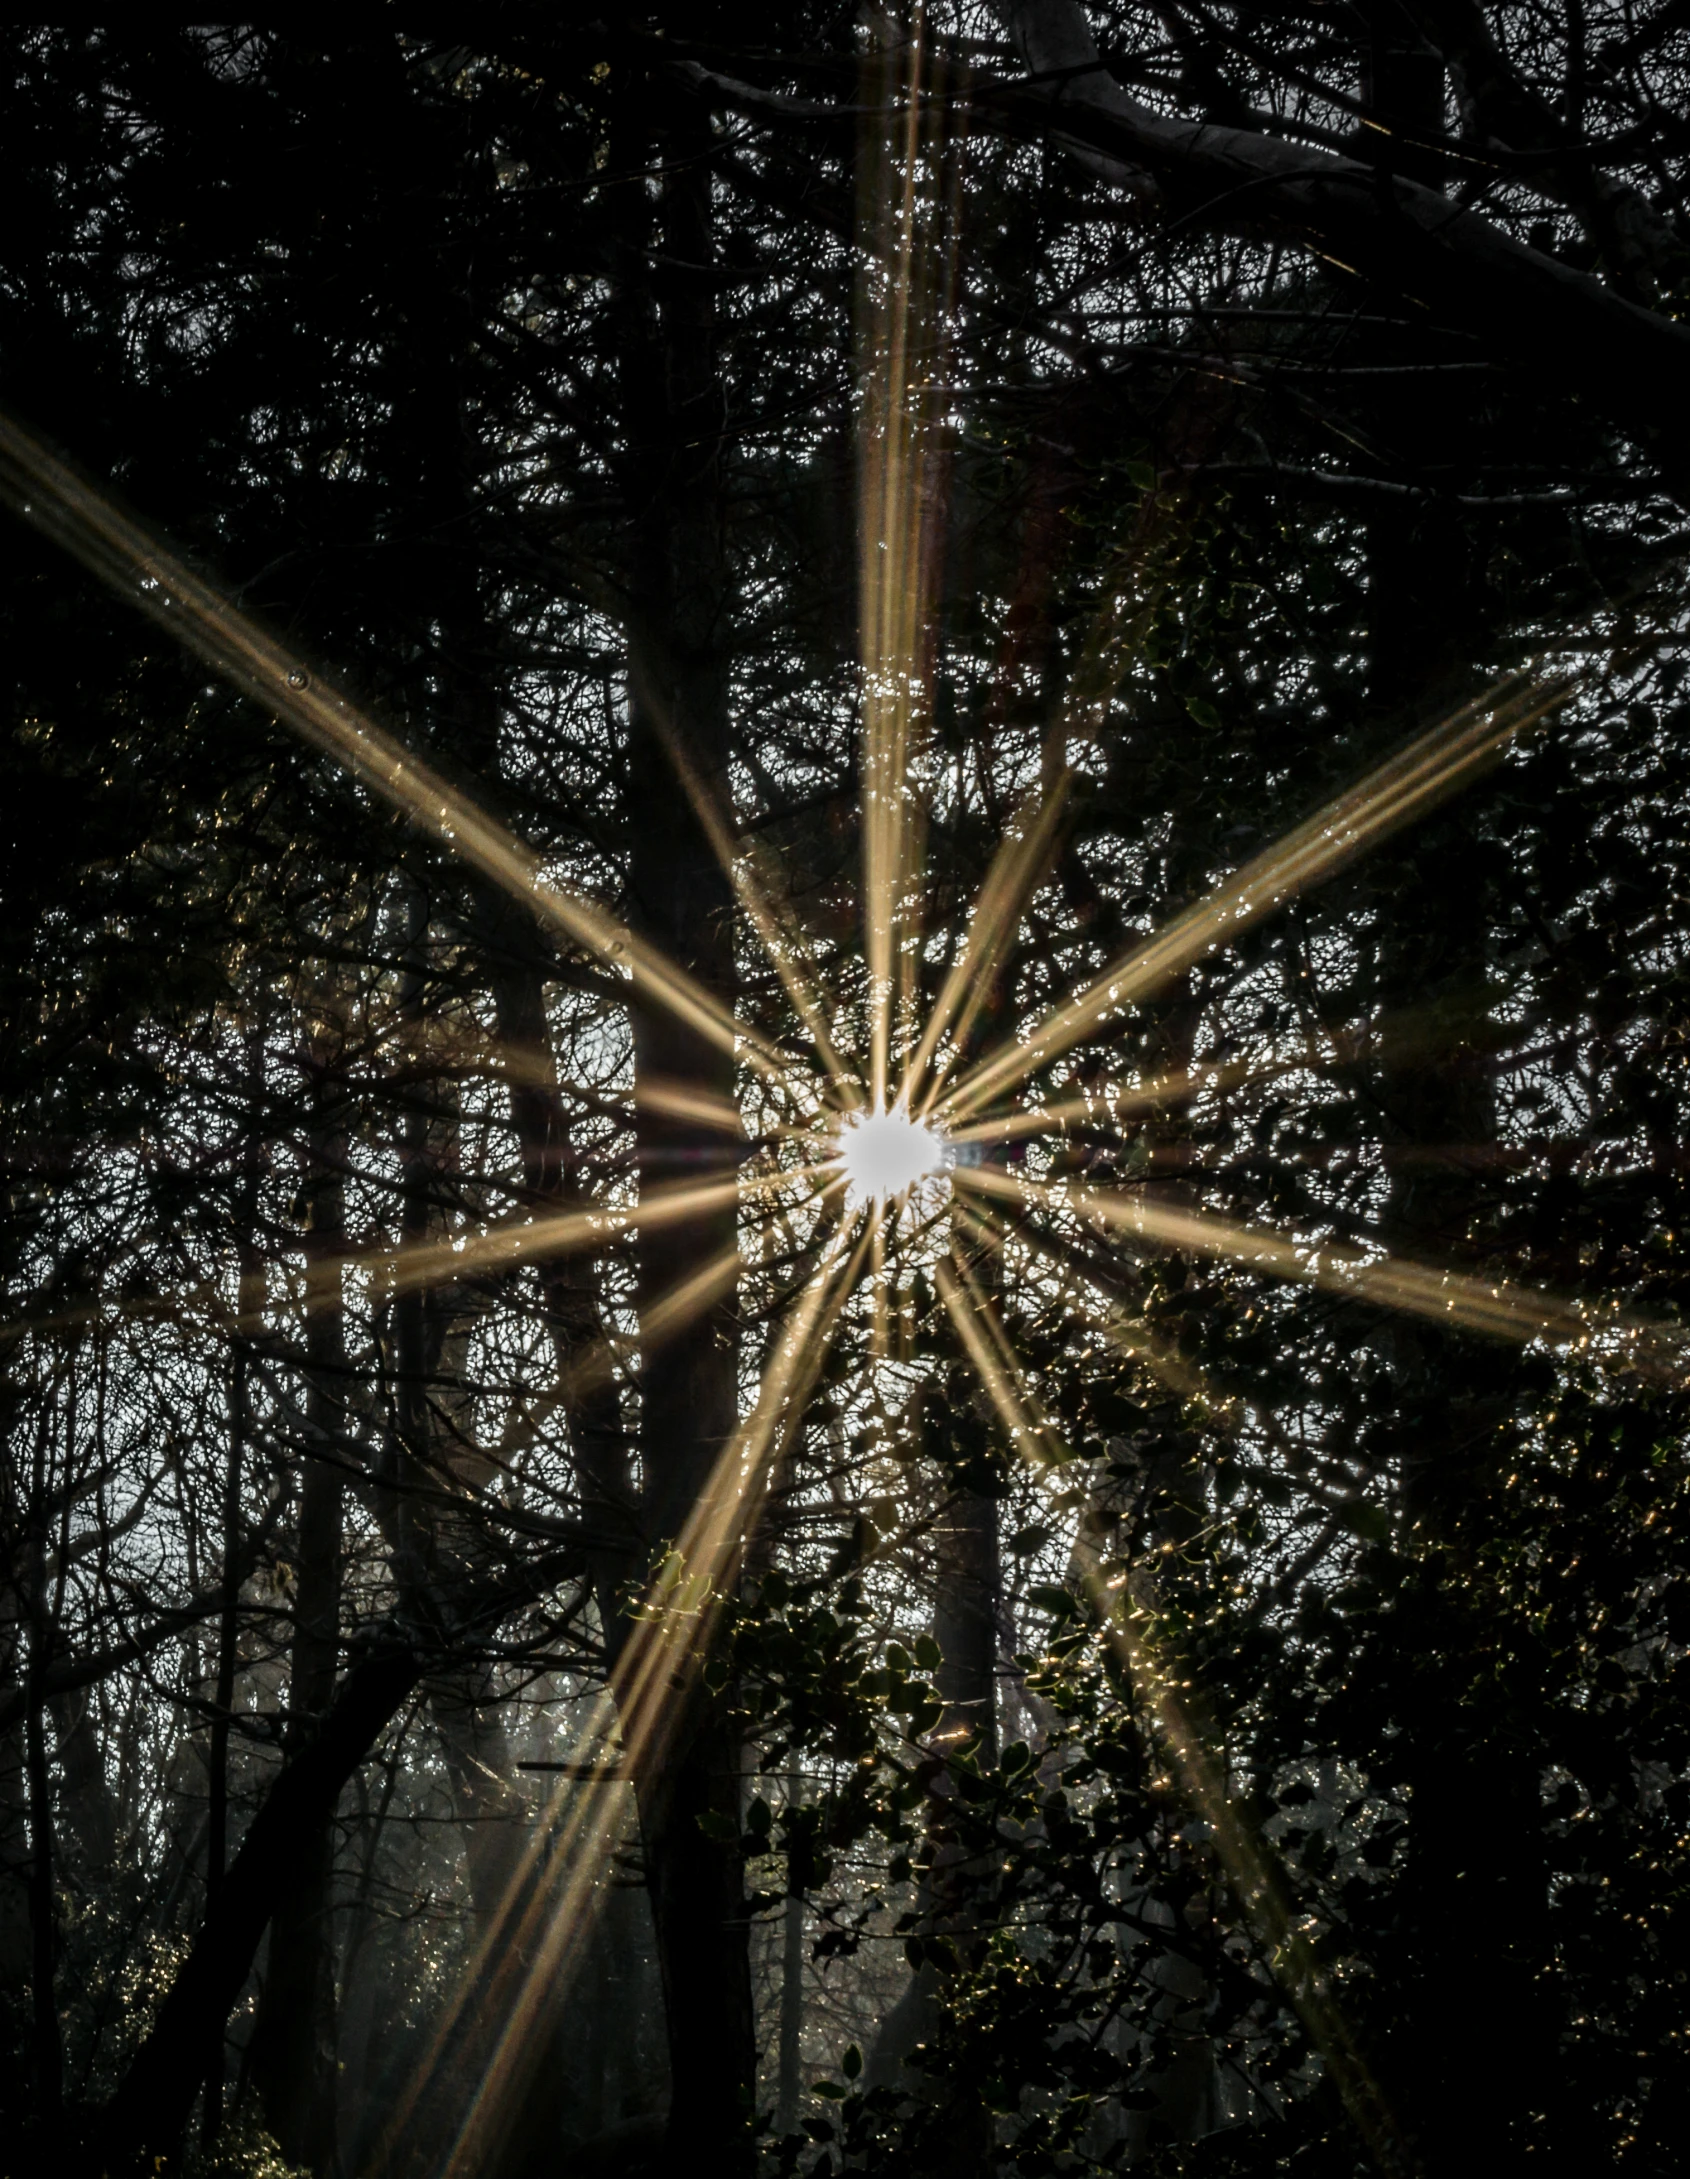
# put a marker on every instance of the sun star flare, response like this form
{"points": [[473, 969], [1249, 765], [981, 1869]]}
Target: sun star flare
{"points": [[885, 1154]]}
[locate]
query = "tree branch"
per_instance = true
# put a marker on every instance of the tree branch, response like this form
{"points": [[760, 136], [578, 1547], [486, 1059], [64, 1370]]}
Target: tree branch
{"points": [[1565, 325]]}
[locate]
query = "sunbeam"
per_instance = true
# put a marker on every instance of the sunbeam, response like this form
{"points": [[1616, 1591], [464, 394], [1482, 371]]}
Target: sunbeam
{"points": [[140, 567], [908, 236], [1125, 1609], [1414, 781], [1012, 879], [411, 1266], [782, 939], [649, 1680], [1493, 1306], [1128, 1336]]}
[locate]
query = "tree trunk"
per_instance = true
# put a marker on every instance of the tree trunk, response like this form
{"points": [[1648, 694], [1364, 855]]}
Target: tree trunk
{"points": [[966, 1585], [46, 2045], [790, 2078], [142, 2125], [1473, 2040], [292, 2053], [682, 900], [249, 1303]]}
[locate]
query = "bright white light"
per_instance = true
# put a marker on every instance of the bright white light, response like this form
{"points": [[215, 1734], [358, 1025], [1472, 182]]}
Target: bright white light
{"points": [[885, 1153]]}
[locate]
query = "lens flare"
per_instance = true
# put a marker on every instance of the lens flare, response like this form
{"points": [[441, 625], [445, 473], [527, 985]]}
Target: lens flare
{"points": [[886, 1154]]}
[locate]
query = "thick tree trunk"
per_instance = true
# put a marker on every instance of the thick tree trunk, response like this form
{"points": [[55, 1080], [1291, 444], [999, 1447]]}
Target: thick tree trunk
{"points": [[682, 900], [142, 2125], [1472, 2043], [966, 1588]]}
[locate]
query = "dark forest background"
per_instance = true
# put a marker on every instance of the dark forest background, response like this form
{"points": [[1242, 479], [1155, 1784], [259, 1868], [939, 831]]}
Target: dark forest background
{"points": [[1305, 368]]}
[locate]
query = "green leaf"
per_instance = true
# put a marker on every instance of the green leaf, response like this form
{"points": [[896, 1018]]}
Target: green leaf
{"points": [[852, 2063], [716, 1826]]}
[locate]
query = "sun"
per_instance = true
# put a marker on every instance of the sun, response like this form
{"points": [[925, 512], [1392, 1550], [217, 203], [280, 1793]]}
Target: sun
{"points": [[885, 1154]]}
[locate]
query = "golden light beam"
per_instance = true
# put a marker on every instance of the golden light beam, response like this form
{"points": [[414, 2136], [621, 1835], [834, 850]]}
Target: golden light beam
{"points": [[1397, 792], [1397, 1036], [1011, 880], [1124, 1608], [677, 1307], [413, 1265], [663, 1652], [438, 1050], [782, 938], [137, 564], [907, 250], [1105, 655], [1496, 1307], [1131, 1338], [705, 1556], [1110, 1102]]}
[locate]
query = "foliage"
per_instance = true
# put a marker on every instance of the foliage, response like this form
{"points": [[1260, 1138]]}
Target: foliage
{"points": [[378, 328]]}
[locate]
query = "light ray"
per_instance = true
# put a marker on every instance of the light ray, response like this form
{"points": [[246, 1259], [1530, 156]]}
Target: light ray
{"points": [[1124, 1607], [1014, 875], [782, 938], [663, 1652], [405, 1268], [1110, 1102], [141, 568], [1497, 1307], [1129, 1337], [437, 1052], [597, 1364], [908, 250], [1431, 768]]}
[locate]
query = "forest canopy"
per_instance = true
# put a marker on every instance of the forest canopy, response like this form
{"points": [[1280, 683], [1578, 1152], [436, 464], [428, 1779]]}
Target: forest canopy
{"points": [[847, 879]]}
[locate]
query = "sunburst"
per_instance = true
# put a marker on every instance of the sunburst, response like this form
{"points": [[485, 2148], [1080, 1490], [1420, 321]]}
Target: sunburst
{"points": [[885, 1114]]}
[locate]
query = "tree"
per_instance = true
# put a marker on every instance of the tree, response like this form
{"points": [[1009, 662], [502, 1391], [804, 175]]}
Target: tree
{"points": [[1164, 1649]]}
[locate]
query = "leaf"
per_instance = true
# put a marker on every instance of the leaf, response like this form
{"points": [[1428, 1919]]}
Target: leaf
{"points": [[1371, 1523], [716, 1826], [851, 2065]]}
